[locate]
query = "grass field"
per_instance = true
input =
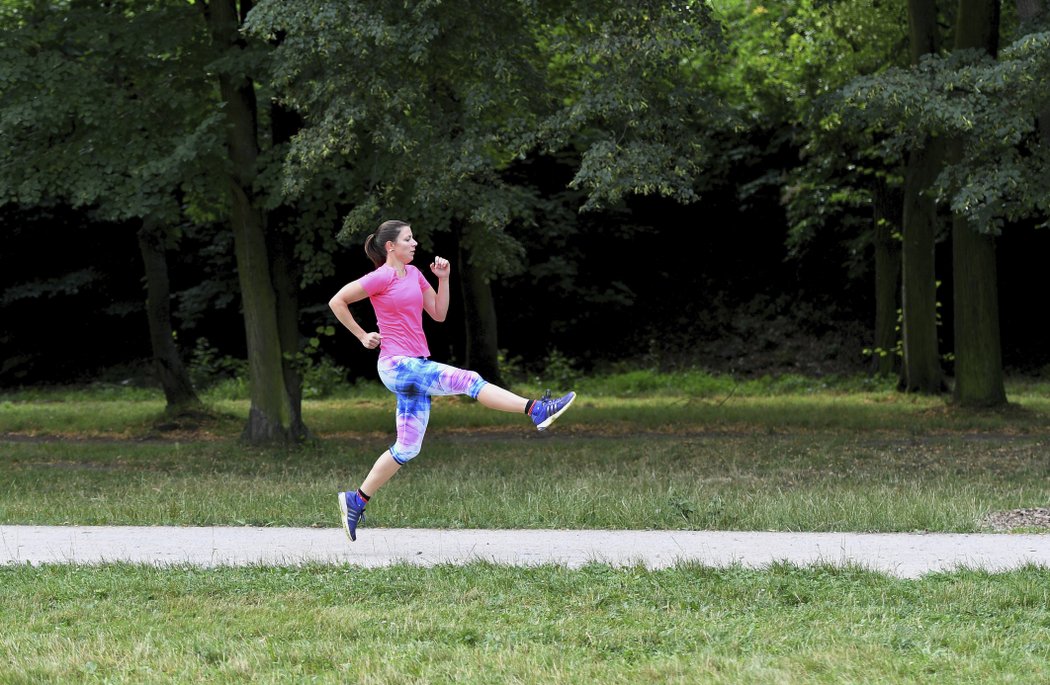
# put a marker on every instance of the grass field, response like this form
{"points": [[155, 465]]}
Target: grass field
{"points": [[491, 624], [637, 451]]}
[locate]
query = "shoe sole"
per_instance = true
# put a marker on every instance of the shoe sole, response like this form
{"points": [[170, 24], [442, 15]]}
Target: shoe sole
{"points": [[550, 419], [342, 508]]}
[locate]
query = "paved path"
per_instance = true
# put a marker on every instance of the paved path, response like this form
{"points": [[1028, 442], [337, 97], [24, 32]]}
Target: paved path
{"points": [[904, 555]]}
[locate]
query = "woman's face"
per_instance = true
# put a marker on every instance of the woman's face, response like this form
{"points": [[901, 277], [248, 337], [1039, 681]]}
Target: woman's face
{"points": [[404, 248]]}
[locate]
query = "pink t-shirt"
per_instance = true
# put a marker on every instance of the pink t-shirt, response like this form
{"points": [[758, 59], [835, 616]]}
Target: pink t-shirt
{"points": [[398, 303]]}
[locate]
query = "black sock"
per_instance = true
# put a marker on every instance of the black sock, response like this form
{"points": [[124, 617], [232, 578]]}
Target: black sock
{"points": [[362, 495], [528, 406]]}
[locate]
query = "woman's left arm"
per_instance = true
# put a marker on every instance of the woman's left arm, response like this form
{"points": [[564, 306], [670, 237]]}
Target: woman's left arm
{"points": [[436, 303]]}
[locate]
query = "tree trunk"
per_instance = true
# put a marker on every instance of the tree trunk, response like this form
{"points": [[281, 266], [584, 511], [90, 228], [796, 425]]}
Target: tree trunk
{"points": [[271, 419], [479, 316], [171, 372], [978, 354], [979, 378], [977, 26], [887, 218], [284, 124], [286, 279], [921, 371], [922, 28]]}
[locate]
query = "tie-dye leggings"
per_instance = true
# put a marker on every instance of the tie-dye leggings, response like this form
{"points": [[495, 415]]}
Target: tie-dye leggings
{"points": [[414, 380]]}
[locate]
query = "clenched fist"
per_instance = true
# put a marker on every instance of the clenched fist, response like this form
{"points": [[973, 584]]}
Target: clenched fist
{"points": [[441, 268], [371, 340]]}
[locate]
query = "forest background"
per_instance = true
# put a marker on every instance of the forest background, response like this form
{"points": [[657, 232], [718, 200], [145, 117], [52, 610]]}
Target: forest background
{"points": [[751, 188]]}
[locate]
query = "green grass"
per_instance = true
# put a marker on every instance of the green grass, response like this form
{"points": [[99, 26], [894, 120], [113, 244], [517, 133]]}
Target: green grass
{"points": [[624, 402], [638, 450], [491, 624], [811, 480]]}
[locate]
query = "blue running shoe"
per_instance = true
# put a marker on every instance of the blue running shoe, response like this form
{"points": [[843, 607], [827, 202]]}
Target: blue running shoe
{"points": [[545, 410], [353, 508]]}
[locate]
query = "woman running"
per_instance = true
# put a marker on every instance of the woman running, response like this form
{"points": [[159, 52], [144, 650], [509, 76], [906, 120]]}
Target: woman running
{"points": [[400, 293]]}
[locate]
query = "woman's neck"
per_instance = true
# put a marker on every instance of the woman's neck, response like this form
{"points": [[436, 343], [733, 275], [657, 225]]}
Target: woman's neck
{"points": [[397, 266]]}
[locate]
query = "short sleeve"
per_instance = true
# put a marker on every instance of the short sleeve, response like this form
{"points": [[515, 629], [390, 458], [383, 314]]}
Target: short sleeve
{"points": [[376, 281], [423, 282]]}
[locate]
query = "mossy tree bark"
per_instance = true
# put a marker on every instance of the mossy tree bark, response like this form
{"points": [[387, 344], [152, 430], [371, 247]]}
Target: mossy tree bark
{"points": [[978, 348]]}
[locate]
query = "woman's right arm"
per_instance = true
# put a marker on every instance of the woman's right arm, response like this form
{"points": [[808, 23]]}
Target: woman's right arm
{"points": [[340, 306]]}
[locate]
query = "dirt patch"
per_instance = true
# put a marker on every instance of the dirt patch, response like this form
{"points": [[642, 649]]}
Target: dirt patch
{"points": [[1012, 519]]}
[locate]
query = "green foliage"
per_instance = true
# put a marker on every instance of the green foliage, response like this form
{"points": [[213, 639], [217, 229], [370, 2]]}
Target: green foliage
{"points": [[557, 371], [898, 348], [783, 63], [412, 109], [321, 377], [104, 105], [511, 368], [208, 368], [630, 82], [69, 284], [422, 112], [108, 107], [782, 58], [226, 377], [991, 105]]}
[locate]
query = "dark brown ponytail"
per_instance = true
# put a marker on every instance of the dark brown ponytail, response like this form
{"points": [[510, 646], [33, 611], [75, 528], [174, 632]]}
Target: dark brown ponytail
{"points": [[374, 244]]}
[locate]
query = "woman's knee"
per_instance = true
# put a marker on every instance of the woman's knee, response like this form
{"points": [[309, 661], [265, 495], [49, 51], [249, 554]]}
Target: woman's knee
{"points": [[463, 382], [476, 386], [403, 454]]}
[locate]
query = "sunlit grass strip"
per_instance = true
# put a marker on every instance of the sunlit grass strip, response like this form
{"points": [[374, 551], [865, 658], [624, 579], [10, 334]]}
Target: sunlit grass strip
{"points": [[485, 624], [117, 418], [827, 411]]}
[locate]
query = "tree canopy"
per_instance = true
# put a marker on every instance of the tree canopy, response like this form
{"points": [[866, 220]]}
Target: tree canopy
{"points": [[515, 136]]}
